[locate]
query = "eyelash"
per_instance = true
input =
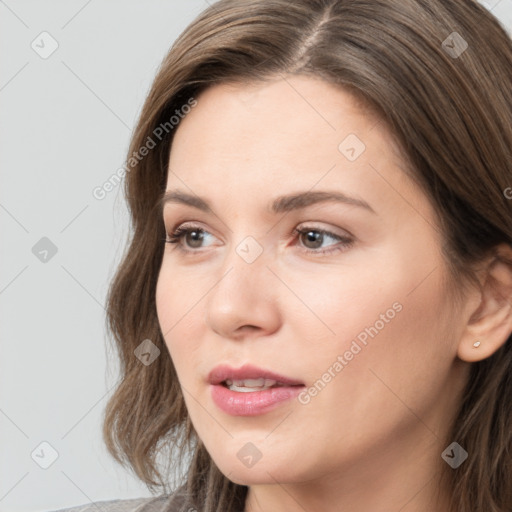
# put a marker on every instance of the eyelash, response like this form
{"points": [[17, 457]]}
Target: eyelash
{"points": [[179, 233]]}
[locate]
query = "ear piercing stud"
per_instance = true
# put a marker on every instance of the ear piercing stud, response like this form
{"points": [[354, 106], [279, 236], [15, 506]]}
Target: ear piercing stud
{"points": [[476, 344]]}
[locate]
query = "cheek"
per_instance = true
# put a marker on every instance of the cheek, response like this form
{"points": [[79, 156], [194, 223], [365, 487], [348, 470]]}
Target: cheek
{"points": [[384, 312], [393, 349], [333, 303], [177, 306], [387, 370]]}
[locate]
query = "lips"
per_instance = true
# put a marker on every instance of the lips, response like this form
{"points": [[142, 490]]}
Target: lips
{"points": [[250, 391], [222, 373]]}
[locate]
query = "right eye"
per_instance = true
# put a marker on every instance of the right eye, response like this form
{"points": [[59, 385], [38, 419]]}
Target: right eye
{"points": [[180, 234]]}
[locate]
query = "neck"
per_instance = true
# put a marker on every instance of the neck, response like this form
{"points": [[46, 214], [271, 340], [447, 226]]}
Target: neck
{"points": [[391, 480]]}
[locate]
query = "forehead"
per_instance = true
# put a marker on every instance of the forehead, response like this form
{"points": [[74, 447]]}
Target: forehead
{"points": [[246, 142], [283, 120]]}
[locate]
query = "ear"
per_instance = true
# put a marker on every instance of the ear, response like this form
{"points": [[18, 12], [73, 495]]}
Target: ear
{"points": [[491, 322]]}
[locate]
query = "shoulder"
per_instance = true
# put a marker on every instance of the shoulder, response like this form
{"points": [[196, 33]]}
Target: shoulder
{"points": [[174, 502]]}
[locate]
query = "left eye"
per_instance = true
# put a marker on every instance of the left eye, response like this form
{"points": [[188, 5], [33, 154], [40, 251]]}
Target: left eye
{"points": [[315, 236]]}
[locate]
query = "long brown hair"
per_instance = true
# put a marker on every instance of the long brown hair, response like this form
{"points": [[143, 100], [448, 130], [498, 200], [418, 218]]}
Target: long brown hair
{"points": [[439, 74]]}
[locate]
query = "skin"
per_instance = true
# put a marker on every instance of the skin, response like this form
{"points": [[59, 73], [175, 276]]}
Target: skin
{"points": [[371, 439]]}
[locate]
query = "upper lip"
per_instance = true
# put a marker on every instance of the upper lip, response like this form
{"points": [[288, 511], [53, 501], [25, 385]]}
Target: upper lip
{"points": [[247, 371]]}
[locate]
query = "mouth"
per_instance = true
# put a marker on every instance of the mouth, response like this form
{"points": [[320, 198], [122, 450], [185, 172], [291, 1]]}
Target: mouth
{"points": [[252, 385], [251, 391], [240, 389], [249, 378]]}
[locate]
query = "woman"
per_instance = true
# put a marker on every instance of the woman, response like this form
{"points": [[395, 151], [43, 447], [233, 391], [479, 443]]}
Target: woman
{"points": [[329, 325]]}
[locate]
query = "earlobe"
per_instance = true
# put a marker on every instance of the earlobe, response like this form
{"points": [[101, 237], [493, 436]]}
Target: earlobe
{"points": [[490, 324]]}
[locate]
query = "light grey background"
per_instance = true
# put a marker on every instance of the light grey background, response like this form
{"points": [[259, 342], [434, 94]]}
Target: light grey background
{"points": [[65, 126]]}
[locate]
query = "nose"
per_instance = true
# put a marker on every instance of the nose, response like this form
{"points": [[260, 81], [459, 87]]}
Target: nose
{"points": [[243, 303]]}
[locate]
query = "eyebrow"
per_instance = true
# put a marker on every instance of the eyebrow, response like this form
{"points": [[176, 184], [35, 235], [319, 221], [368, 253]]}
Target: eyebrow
{"points": [[280, 204]]}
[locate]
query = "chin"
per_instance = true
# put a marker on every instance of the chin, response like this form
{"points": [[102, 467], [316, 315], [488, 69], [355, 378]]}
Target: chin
{"points": [[262, 472], [252, 476]]}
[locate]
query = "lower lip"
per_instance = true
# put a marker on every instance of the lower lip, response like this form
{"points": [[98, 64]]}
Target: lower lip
{"points": [[252, 403]]}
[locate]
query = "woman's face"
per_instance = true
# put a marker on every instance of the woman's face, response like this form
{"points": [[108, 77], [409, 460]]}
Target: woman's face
{"points": [[355, 308]]}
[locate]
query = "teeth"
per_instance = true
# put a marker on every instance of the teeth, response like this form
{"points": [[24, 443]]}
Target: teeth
{"points": [[248, 385]]}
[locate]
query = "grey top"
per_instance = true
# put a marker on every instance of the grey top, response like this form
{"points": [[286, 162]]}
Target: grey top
{"points": [[174, 502]]}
